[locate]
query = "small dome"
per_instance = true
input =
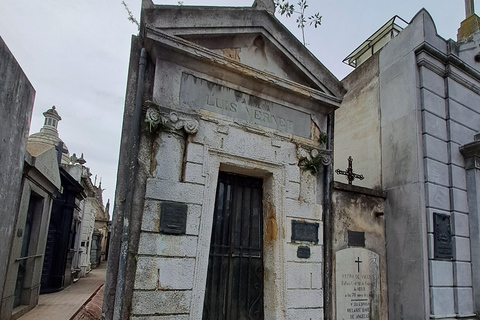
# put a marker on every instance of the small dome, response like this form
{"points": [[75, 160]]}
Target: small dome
{"points": [[48, 135]]}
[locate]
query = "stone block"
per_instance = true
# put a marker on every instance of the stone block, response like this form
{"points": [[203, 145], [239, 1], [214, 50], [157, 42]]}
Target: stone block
{"points": [[175, 273], [316, 253], [460, 224], [462, 274], [435, 149], [292, 190], [151, 216], [174, 191], [432, 81], [456, 157], [169, 157], [305, 314], [464, 301], [442, 302], [194, 173], [441, 273], [302, 210], [433, 103], [438, 197], [304, 275], [146, 276], [431, 250], [459, 179], [459, 133], [461, 94], [308, 187], [193, 219], [167, 245], [464, 115], [161, 302], [195, 153], [436, 172], [304, 298], [434, 126], [461, 248], [460, 202], [292, 173]]}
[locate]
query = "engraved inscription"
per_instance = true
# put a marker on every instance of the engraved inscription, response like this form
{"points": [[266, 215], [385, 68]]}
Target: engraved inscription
{"points": [[198, 94], [357, 284]]}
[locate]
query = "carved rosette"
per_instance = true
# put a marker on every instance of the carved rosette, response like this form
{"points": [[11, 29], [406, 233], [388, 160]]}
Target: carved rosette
{"points": [[158, 117]]}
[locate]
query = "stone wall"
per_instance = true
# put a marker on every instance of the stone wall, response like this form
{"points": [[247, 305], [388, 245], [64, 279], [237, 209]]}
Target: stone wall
{"points": [[16, 104]]}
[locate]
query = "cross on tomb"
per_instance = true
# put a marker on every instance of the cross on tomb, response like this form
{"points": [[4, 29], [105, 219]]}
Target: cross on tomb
{"points": [[349, 172], [469, 8], [60, 149], [358, 263]]}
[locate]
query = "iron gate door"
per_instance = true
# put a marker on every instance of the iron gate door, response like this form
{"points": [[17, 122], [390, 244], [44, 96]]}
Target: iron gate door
{"points": [[234, 288]]}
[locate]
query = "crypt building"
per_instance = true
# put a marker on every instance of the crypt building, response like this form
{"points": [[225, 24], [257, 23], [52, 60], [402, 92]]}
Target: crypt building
{"points": [[231, 202]]}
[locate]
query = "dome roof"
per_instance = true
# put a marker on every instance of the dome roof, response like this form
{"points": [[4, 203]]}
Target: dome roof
{"points": [[48, 135]]}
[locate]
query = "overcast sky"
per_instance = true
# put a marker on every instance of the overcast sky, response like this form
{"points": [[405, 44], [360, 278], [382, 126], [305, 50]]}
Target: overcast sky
{"points": [[75, 53]]}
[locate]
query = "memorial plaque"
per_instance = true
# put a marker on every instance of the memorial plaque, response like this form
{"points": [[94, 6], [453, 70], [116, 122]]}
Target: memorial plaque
{"points": [[304, 231], [356, 239], [357, 286], [173, 218], [197, 93], [303, 252], [443, 248]]}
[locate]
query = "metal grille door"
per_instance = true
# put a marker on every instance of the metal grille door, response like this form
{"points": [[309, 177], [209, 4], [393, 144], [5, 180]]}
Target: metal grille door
{"points": [[234, 288]]}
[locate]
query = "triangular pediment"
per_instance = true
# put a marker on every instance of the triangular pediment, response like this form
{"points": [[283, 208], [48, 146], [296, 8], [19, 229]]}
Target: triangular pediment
{"points": [[251, 37]]}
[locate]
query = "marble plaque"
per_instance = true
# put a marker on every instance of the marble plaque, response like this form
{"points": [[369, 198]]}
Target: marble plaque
{"points": [[198, 93], [357, 284]]}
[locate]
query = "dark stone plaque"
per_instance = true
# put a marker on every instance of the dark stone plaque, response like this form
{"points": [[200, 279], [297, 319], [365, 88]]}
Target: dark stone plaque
{"points": [[303, 252], [304, 231], [443, 248], [356, 239], [173, 218]]}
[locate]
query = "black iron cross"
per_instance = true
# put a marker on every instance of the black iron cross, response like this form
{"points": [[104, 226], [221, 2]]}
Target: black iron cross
{"points": [[358, 263], [349, 172], [60, 149]]}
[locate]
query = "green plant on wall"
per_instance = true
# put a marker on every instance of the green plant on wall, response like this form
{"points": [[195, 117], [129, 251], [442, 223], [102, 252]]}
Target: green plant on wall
{"points": [[312, 164], [322, 139]]}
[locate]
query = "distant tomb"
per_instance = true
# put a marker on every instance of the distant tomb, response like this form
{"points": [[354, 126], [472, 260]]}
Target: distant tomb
{"points": [[357, 284]]}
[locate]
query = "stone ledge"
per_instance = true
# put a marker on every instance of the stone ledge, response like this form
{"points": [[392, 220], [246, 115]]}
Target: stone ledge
{"points": [[366, 191]]}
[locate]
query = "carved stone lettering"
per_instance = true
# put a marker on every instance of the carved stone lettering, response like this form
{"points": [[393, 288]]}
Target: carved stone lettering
{"points": [[198, 94], [357, 284]]}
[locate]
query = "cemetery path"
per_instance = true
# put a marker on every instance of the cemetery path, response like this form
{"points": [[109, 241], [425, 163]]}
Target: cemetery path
{"points": [[73, 300]]}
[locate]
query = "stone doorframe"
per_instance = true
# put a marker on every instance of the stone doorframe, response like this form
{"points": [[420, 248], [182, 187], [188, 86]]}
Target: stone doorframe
{"points": [[273, 175]]}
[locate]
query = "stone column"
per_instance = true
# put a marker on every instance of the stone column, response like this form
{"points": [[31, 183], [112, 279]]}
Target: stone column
{"points": [[471, 153]]}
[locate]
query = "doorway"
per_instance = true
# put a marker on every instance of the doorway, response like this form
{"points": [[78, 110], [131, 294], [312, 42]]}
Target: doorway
{"points": [[234, 288]]}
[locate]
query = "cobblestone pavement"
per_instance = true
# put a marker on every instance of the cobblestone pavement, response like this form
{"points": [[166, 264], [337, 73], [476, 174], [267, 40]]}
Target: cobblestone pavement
{"points": [[66, 304]]}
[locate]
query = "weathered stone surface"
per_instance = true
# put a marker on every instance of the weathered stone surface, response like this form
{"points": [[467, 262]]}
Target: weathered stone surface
{"points": [[167, 245], [302, 314], [195, 153], [459, 180], [438, 197], [161, 302], [460, 202], [442, 302], [436, 172], [304, 275], [304, 298], [316, 253], [464, 298], [194, 173], [461, 134], [16, 104], [435, 149], [461, 248], [434, 126], [433, 103], [441, 273], [299, 209], [467, 116], [174, 191], [460, 226], [462, 274]]}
